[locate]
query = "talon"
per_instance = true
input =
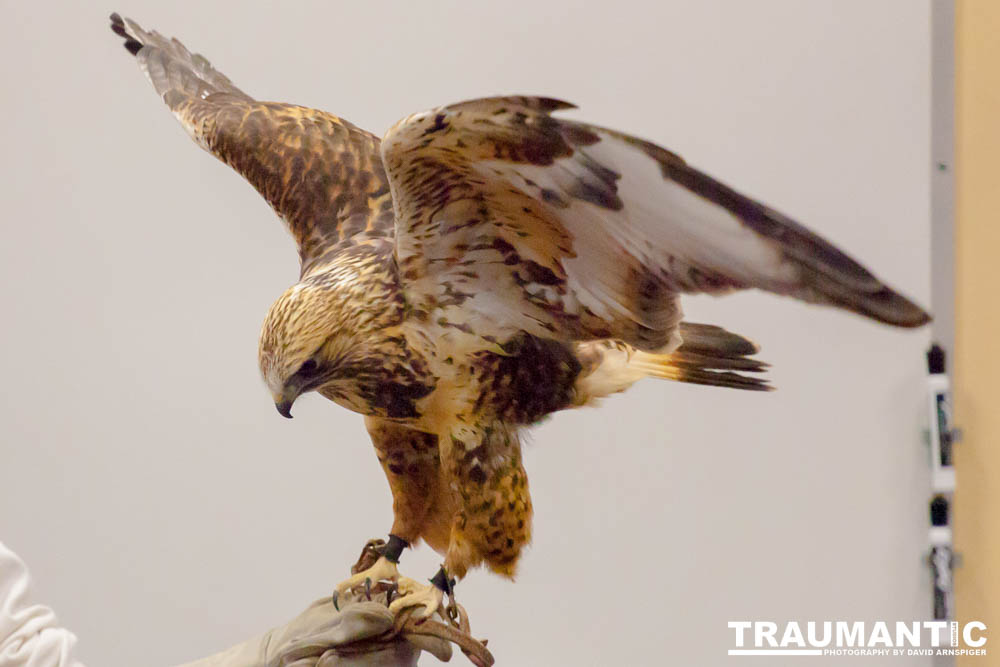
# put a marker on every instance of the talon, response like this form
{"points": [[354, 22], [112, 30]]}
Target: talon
{"points": [[368, 588], [336, 594], [390, 592]]}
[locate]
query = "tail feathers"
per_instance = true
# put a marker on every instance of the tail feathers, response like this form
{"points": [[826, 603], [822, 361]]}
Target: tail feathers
{"points": [[695, 368], [708, 355], [176, 73]]}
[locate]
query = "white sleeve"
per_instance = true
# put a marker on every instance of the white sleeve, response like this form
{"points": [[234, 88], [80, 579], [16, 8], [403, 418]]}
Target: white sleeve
{"points": [[30, 635]]}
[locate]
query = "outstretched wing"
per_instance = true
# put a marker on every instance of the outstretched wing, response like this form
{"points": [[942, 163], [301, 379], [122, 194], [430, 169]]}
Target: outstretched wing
{"points": [[588, 232], [321, 174]]}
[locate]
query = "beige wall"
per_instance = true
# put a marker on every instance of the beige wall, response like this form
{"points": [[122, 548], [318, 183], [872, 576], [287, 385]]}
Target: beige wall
{"points": [[977, 371]]}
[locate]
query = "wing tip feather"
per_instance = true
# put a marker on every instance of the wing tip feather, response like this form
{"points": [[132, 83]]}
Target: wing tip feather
{"points": [[134, 35], [900, 311], [883, 305], [176, 67], [118, 26]]}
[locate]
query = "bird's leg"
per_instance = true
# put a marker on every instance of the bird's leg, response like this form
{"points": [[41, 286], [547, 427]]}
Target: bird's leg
{"points": [[411, 463], [428, 599], [384, 569]]}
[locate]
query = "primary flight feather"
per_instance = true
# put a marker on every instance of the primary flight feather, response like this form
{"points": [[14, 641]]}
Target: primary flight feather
{"points": [[482, 266]]}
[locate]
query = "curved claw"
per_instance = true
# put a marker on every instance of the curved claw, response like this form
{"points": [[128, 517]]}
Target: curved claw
{"points": [[368, 588], [391, 592], [382, 570], [336, 597]]}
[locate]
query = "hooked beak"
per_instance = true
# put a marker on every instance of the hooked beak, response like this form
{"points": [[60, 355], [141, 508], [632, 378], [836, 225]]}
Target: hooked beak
{"points": [[284, 405]]}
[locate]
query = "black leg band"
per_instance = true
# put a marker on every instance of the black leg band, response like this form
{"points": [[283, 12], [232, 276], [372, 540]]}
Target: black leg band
{"points": [[393, 549], [441, 581]]}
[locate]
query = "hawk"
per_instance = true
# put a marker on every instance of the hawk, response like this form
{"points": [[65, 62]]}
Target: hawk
{"points": [[485, 264]]}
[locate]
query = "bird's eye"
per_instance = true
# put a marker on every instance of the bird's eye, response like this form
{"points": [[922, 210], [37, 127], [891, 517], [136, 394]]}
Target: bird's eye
{"points": [[308, 367]]}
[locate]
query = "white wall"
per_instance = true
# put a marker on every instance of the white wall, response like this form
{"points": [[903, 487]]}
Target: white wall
{"points": [[168, 511]]}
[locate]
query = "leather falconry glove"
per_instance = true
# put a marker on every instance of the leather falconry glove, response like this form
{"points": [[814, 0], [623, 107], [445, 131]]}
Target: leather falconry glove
{"points": [[359, 635]]}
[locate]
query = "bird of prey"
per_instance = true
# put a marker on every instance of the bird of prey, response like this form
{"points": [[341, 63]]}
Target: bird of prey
{"points": [[485, 264]]}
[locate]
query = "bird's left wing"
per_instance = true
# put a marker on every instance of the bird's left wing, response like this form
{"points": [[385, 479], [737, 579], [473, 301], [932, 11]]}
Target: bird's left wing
{"points": [[321, 174], [521, 220]]}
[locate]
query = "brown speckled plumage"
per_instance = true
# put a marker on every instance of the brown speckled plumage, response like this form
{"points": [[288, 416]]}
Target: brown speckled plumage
{"points": [[483, 266]]}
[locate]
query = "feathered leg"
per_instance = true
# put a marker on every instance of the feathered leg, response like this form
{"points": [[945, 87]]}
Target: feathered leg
{"points": [[491, 519], [492, 522]]}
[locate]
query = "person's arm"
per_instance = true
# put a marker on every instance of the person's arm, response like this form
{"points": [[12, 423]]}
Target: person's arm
{"points": [[30, 634]]}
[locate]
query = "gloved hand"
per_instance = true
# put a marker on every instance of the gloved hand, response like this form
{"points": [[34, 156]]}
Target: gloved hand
{"points": [[321, 636]]}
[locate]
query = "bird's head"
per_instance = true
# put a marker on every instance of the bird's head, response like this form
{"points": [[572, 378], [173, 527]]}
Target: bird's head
{"points": [[314, 338]]}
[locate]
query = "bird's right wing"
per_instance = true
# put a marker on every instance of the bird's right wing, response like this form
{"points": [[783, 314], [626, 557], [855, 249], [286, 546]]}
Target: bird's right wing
{"points": [[321, 174], [512, 218]]}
